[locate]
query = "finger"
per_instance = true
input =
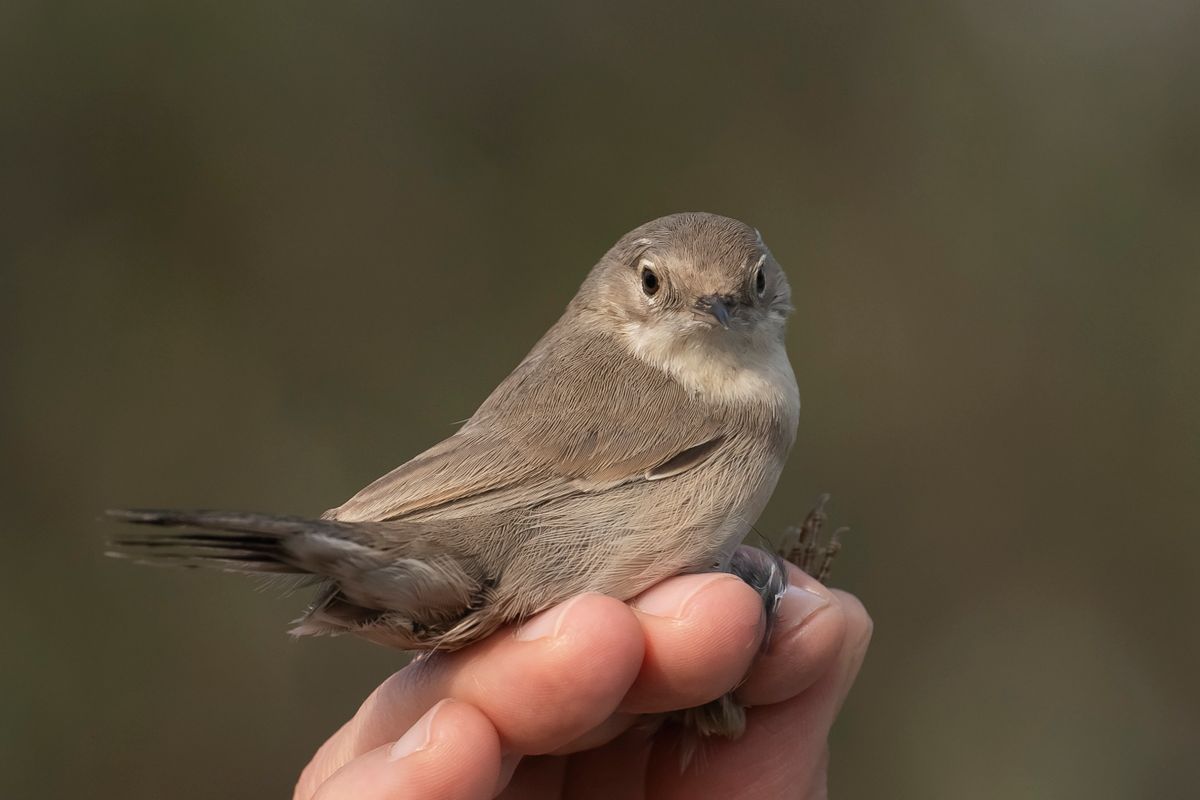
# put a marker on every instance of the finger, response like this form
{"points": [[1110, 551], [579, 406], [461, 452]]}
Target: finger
{"points": [[859, 629], [602, 734], [784, 751], [807, 636], [452, 752], [551, 680], [702, 632]]}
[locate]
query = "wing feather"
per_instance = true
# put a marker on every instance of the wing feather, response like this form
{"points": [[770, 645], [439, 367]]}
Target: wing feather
{"points": [[579, 414]]}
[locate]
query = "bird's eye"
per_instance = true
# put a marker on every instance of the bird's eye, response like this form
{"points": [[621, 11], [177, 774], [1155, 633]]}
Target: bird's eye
{"points": [[649, 282], [760, 283]]}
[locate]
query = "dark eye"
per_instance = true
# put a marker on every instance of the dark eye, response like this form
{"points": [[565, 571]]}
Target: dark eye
{"points": [[649, 282], [760, 282]]}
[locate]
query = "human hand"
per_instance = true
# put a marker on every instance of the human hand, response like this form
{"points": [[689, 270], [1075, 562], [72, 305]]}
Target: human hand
{"points": [[564, 705]]}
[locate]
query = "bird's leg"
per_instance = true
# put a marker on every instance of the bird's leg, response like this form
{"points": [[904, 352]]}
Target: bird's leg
{"points": [[767, 574]]}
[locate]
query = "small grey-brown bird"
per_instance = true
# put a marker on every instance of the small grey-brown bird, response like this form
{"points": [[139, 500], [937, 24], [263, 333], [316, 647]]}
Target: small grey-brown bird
{"points": [[639, 439]]}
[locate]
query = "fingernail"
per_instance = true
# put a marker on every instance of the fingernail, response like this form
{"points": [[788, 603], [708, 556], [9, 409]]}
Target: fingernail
{"points": [[666, 600], [797, 606], [547, 624], [418, 736]]}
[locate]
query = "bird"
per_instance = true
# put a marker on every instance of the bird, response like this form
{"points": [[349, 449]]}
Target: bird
{"points": [[639, 439]]}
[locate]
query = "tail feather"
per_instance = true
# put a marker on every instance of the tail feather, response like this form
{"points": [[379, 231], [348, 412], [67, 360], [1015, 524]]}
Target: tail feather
{"points": [[232, 541], [386, 580], [269, 525]]}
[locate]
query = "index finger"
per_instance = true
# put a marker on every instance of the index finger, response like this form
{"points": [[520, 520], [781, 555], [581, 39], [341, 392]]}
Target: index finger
{"points": [[577, 659]]}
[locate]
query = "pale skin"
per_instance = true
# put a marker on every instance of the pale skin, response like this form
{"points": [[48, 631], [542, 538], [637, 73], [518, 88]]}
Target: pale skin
{"points": [[566, 705]]}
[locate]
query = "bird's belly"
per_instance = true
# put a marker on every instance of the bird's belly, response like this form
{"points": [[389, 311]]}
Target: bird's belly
{"points": [[623, 540]]}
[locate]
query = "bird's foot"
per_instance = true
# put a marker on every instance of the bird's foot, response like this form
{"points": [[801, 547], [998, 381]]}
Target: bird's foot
{"points": [[803, 547]]}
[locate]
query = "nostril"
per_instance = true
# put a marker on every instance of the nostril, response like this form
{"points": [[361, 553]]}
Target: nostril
{"points": [[718, 306]]}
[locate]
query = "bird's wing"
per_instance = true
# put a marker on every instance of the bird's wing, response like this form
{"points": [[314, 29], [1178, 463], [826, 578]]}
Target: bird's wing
{"points": [[578, 415]]}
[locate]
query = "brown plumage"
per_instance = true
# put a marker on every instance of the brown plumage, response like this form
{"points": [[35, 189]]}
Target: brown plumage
{"points": [[639, 439]]}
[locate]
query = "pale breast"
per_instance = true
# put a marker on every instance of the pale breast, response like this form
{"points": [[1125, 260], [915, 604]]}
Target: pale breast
{"points": [[626, 537], [731, 369], [748, 379]]}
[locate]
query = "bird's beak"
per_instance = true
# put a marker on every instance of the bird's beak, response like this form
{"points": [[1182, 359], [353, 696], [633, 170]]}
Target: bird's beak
{"points": [[718, 306]]}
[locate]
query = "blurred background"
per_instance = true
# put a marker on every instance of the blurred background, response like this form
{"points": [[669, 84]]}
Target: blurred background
{"points": [[255, 254]]}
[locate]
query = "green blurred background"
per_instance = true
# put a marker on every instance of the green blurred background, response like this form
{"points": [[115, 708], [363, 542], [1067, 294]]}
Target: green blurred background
{"points": [[255, 254]]}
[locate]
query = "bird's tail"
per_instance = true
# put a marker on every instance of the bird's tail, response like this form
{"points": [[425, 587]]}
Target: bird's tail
{"points": [[391, 581], [235, 541]]}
